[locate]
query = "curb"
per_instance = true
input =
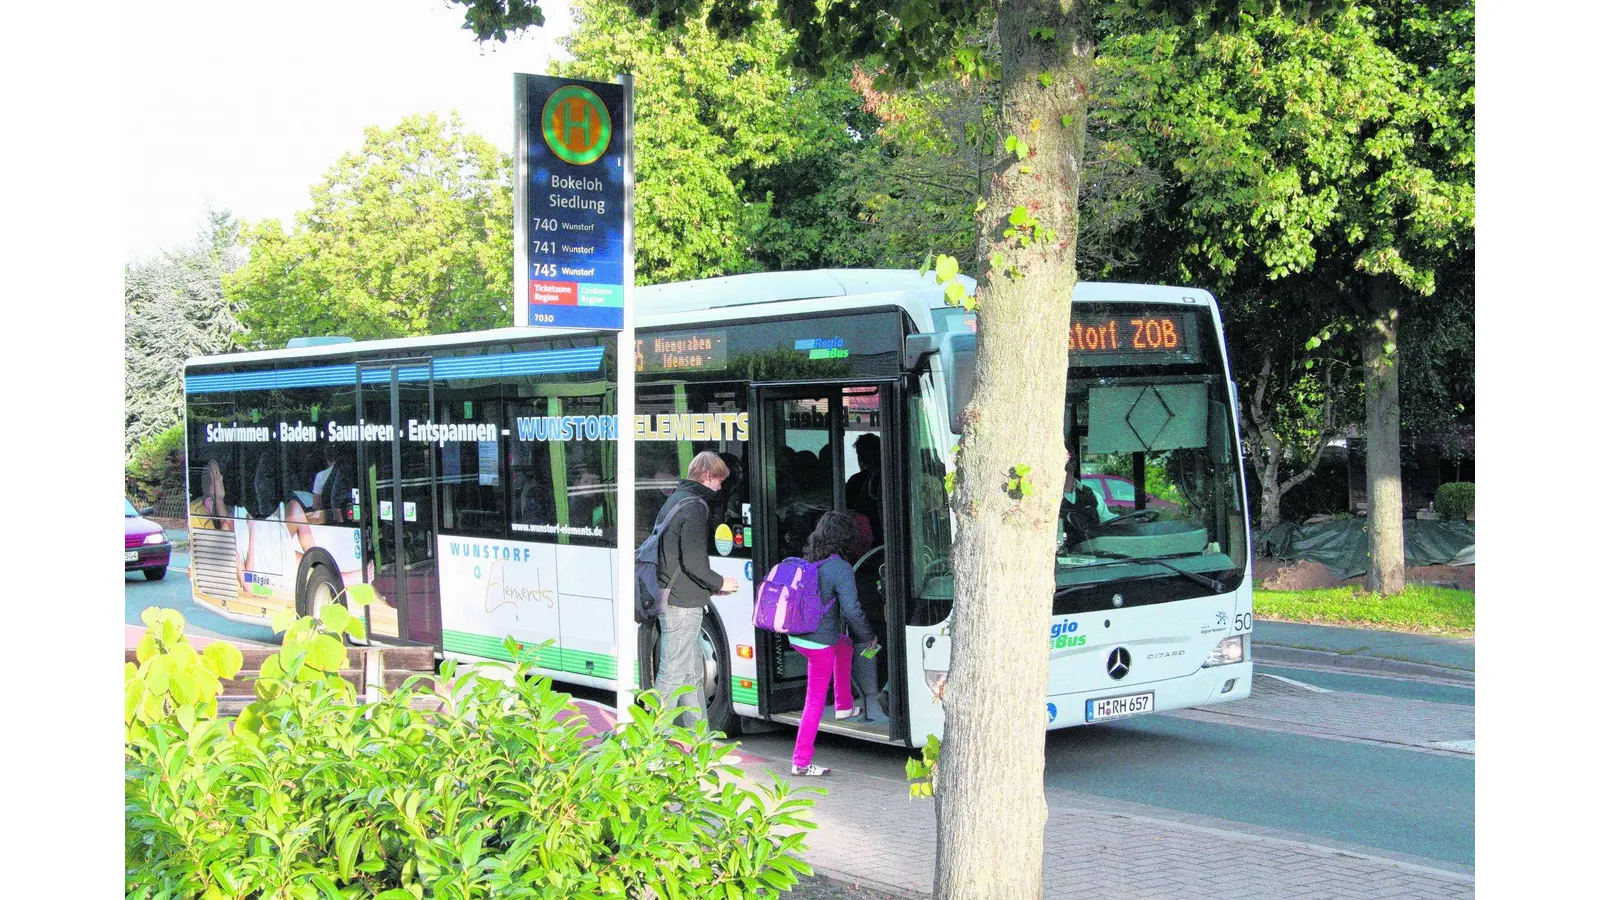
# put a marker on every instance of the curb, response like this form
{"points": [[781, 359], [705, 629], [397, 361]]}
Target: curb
{"points": [[1323, 659], [850, 880]]}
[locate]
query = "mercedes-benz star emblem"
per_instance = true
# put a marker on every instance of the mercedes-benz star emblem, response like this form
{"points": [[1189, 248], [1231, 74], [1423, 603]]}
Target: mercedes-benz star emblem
{"points": [[1117, 663]]}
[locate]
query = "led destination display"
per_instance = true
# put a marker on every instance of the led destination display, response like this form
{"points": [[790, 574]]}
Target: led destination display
{"points": [[683, 351], [1134, 334]]}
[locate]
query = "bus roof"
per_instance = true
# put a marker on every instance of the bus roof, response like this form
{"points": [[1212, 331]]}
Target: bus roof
{"points": [[754, 295]]}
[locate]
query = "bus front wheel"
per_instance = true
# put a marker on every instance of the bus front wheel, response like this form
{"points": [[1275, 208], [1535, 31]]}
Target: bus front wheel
{"points": [[322, 588], [719, 679]]}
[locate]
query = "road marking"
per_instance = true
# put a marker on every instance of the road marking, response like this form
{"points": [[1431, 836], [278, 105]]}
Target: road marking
{"points": [[1456, 746], [1298, 684]]}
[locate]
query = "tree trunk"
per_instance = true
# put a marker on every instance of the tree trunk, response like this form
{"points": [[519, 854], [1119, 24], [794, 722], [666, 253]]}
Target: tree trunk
{"points": [[1271, 499], [1386, 560], [990, 797]]}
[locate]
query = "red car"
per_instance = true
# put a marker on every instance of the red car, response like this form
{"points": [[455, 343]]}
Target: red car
{"points": [[1118, 492], [147, 546]]}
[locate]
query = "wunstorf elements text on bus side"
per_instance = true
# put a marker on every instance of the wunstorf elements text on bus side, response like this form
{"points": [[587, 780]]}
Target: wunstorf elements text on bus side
{"points": [[665, 427]]}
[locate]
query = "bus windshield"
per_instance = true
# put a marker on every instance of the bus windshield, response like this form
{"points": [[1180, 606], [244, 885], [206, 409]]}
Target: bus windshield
{"points": [[1152, 475]]}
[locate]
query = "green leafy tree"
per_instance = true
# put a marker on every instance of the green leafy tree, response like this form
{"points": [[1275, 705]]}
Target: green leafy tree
{"points": [[410, 236], [1346, 150], [1040, 55], [174, 308], [736, 154]]}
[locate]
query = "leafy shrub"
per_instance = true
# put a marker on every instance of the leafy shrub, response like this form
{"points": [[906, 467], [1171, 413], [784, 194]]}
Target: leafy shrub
{"points": [[156, 469], [1454, 500], [496, 793]]}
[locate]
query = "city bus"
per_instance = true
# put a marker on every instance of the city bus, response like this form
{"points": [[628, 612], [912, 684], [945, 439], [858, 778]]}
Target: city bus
{"points": [[470, 479]]}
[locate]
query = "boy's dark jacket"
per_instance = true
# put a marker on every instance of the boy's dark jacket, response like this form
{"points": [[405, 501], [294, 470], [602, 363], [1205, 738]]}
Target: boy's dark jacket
{"points": [[686, 545]]}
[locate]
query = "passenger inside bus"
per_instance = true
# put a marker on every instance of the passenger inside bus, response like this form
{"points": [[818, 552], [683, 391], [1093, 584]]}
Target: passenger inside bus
{"points": [[728, 504], [532, 497], [653, 496], [863, 493]]}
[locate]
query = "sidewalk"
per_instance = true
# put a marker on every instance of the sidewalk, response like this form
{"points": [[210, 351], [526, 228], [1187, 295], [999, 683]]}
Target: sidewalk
{"points": [[1365, 651], [871, 833]]}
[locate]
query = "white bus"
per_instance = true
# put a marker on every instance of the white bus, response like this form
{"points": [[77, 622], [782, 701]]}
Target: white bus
{"points": [[502, 520]]}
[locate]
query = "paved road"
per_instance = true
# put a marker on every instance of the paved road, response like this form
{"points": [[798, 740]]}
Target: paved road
{"points": [[173, 592], [1380, 652], [1337, 791]]}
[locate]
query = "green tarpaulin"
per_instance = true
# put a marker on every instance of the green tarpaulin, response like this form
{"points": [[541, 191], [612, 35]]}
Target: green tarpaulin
{"points": [[1342, 545]]}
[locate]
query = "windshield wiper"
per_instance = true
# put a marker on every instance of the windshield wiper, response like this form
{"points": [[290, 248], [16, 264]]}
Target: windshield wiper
{"points": [[1216, 586]]}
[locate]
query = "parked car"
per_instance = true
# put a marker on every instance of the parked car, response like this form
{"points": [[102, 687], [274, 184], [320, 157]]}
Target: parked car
{"points": [[148, 549], [1118, 492]]}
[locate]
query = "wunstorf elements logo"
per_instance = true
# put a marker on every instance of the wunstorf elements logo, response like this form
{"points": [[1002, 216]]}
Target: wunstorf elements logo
{"points": [[576, 125]]}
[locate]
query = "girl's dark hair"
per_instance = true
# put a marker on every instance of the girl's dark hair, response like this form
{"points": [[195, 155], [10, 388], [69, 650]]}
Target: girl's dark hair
{"points": [[833, 534]]}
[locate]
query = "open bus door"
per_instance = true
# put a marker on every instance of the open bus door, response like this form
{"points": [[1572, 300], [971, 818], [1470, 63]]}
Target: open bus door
{"points": [[805, 462]]}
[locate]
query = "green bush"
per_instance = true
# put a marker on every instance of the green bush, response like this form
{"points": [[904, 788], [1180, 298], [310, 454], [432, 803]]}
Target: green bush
{"points": [[1454, 500], [156, 468], [311, 794]]}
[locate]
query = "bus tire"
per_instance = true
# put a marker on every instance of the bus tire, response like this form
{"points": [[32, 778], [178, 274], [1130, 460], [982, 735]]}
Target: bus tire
{"points": [[719, 677], [649, 644], [321, 587]]}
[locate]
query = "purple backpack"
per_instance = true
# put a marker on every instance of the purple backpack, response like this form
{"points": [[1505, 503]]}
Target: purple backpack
{"points": [[788, 600]]}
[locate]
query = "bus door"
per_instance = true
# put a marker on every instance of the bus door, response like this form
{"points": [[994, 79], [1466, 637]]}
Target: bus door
{"points": [[816, 448], [397, 513]]}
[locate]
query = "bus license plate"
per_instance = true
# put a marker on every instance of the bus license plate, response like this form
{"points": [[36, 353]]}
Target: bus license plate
{"points": [[133, 556], [1117, 707]]}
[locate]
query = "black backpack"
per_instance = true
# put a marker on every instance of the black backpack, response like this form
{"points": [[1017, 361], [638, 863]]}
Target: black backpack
{"points": [[649, 597]]}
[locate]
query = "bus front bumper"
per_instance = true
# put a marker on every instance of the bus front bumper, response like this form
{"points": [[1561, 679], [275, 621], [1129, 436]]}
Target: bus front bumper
{"points": [[1208, 686]]}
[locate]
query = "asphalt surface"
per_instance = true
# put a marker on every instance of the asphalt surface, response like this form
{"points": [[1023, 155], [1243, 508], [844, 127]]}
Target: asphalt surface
{"points": [[1456, 655], [1413, 804], [1408, 688], [173, 592]]}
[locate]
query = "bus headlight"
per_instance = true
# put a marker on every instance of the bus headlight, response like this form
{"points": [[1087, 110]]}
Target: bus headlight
{"points": [[936, 681], [1228, 651]]}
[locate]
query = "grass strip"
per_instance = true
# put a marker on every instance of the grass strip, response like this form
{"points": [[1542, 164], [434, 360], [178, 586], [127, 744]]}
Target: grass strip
{"points": [[1421, 608]]}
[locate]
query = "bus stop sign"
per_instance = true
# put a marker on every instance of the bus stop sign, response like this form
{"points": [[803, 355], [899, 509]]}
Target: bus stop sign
{"points": [[574, 202]]}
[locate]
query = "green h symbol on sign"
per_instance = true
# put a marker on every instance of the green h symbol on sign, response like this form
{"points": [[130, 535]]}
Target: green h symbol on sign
{"points": [[573, 110]]}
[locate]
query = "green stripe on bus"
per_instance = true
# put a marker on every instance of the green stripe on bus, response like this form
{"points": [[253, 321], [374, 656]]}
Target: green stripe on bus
{"points": [[553, 658], [746, 695], [494, 648], [577, 662]]}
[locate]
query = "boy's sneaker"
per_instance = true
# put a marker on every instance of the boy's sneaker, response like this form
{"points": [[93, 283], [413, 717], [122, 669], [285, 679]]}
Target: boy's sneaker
{"points": [[811, 771]]}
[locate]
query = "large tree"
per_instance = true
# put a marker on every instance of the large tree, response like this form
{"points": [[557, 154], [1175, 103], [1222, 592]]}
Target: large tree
{"points": [[410, 236], [174, 308], [737, 156], [1344, 150], [1040, 54]]}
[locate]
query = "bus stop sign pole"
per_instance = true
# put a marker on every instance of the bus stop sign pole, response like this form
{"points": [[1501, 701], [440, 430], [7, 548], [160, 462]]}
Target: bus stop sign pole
{"points": [[573, 240]]}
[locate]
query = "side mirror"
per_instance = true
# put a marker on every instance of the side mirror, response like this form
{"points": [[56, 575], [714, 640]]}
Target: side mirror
{"points": [[148, 511]]}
